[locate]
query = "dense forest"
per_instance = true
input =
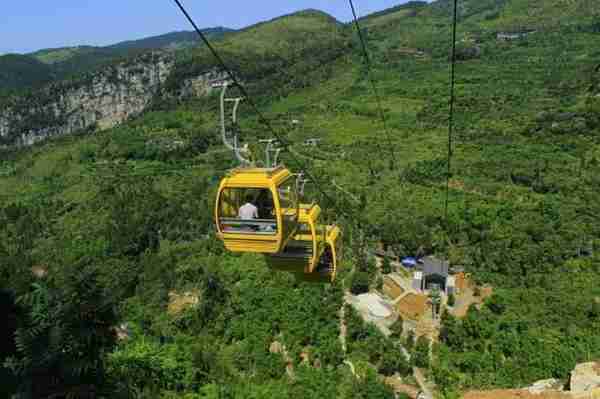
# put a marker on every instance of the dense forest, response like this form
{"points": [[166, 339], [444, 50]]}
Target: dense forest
{"points": [[116, 286]]}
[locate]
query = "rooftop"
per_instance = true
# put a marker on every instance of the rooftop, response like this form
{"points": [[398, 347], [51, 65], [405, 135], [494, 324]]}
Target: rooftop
{"points": [[433, 265]]}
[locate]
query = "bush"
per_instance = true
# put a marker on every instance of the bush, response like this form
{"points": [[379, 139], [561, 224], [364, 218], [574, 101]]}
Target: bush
{"points": [[386, 265], [393, 361], [397, 328], [421, 354], [410, 340], [451, 300], [379, 282], [147, 364], [360, 283]]}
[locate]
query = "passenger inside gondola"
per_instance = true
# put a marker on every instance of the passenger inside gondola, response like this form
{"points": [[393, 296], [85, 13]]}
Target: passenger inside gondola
{"points": [[265, 205], [247, 211]]}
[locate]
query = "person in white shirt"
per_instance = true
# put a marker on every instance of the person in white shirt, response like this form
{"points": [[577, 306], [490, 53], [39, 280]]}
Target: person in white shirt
{"points": [[248, 211]]}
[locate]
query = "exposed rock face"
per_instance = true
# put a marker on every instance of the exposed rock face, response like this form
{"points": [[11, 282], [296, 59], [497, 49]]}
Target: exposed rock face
{"points": [[545, 385], [585, 377], [180, 302], [100, 100], [276, 347], [584, 384]]}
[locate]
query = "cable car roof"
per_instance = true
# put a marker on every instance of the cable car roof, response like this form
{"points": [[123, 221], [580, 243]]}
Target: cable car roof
{"points": [[257, 177]]}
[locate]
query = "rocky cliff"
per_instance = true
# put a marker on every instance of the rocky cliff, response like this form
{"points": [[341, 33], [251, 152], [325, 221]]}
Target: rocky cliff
{"points": [[583, 384], [96, 101]]}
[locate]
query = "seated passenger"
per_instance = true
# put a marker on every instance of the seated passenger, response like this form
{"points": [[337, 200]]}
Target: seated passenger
{"points": [[265, 205], [248, 211]]}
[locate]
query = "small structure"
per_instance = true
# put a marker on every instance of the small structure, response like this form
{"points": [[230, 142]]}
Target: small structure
{"points": [[509, 36], [409, 262], [218, 83], [435, 271], [417, 282], [451, 285]]}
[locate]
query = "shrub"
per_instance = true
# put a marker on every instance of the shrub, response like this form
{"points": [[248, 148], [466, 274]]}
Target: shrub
{"points": [[397, 328], [393, 361], [360, 283], [386, 265], [410, 340], [451, 300], [421, 353]]}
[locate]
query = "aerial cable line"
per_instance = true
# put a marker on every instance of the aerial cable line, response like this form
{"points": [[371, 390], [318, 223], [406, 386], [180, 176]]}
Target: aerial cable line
{"points": [[261, 117], [373, 85], [451, 114]]}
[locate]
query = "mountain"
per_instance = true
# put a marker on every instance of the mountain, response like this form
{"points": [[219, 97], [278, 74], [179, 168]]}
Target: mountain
{"points": [[108, 185], [31, 70], [173, 40]]}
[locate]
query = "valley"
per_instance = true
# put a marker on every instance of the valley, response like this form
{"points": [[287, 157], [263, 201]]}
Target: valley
{"points": [[108, 182]]}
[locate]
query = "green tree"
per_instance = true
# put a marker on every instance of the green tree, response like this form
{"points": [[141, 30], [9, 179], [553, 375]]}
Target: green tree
{"points": [[451, 331], [410, 339], [134, 223], [7, 342], [360, 283], [386, 265], [397, 328], [436, 299], [371, 388], [421, 352], [451, 300], [393, 361], [64, 337]]}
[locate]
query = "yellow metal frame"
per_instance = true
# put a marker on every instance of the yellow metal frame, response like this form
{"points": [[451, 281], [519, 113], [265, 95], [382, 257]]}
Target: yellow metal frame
{"points": [[318, 237], [256, 178], [333, 236]]}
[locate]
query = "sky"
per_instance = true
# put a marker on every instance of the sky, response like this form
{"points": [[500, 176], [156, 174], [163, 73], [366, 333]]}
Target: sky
{"points": [[30, 25]]}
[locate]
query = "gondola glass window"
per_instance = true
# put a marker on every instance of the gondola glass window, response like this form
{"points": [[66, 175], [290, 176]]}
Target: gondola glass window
{"points": [[288, 197], [247, 211]]}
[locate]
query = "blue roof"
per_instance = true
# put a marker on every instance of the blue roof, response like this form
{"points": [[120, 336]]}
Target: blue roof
{"points": [[409, 261]]}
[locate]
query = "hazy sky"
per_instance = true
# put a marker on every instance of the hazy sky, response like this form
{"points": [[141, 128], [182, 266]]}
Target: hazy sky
{"points": [[29, 25]]}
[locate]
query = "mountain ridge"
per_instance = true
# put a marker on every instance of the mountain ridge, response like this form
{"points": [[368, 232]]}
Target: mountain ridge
{"points": [[19, 71]]}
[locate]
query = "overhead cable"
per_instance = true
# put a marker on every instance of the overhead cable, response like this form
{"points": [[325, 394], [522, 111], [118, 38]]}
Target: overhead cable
{"points": [[373, 85], [250, 101], [451, 111]]}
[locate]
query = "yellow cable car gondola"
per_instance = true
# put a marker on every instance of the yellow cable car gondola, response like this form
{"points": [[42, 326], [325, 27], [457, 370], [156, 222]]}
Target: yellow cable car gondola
{"points": [[313, 251], [258, 210]]}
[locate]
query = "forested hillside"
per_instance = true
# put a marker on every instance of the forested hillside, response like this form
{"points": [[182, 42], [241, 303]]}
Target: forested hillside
{"points": [[112, 231], [17, 71]]}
